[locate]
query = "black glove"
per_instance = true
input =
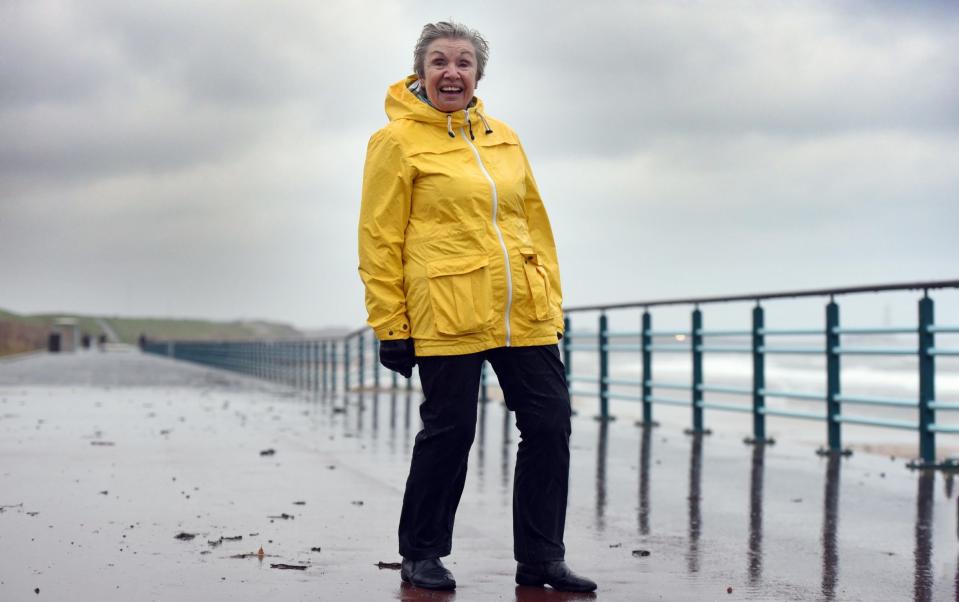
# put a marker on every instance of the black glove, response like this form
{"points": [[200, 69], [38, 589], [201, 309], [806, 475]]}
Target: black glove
{"points": [[398, 356]]}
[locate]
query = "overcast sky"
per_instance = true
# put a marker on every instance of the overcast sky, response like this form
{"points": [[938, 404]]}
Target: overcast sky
{"points": [[204, 159]]}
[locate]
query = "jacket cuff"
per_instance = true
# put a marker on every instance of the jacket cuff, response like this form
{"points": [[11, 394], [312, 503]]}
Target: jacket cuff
{"points": [[394, 332]]}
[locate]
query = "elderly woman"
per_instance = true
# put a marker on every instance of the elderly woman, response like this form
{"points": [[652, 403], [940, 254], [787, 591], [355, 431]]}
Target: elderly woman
{"points": [[459, 264]]}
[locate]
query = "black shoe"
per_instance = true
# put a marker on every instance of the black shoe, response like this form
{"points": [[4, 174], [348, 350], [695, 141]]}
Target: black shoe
{"points": [[554, 573], [429, 574]]}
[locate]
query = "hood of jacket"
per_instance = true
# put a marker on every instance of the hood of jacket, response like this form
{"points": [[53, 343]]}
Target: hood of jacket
{"points": [[402, 103]]}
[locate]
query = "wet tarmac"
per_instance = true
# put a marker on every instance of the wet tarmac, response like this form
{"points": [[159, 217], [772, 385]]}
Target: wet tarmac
{"points": [[110, 462]]}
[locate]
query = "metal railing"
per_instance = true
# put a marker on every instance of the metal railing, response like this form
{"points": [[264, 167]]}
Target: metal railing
{"points": [[695, 342], [337, 365]]}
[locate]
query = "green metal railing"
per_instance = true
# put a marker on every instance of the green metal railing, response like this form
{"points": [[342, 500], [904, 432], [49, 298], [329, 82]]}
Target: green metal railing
{"points": [[695, 343], [348, 363]]}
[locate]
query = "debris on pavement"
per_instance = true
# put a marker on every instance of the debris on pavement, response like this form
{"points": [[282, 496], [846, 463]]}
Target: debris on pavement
{"points": [[103, 443], [294, 567], [184, 536], [640, 553], [283, 516], [258, 554], [393, 566], [299, 503], [316, 549], [268, 452]]}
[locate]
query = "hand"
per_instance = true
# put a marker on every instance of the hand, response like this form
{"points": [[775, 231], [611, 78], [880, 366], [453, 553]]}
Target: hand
{"points": [[559, 336], [398, 356]]}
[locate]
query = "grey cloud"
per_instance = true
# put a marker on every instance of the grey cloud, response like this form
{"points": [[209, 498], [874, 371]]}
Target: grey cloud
{"points": [[611, 86], [120, 88]]}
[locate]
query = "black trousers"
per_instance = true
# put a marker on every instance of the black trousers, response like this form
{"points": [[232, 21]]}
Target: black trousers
{"points": [[534, 385]]}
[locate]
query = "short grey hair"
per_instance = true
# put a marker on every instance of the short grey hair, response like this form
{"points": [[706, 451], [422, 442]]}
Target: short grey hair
{"points": [[449, 30]]}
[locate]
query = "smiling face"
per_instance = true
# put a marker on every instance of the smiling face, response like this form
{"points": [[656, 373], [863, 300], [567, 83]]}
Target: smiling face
{"points": [[449, 74]]}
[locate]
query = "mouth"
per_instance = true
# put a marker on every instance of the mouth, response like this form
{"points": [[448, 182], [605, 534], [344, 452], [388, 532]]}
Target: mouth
{"points": [[451, 89]]}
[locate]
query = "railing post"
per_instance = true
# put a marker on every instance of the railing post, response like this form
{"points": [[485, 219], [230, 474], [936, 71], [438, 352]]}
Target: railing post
{"points": [[304, 364], [298, 363], [603, 367], [927, 382], [567, 352], [308, 369], [346, 366], [361, 360], [376, 363], [833, 409], [318, 365], [268, 361], [278, 360], [697, 346], [322, 367], [646, 341], [333, 366], [759, 375], [315, 364]]}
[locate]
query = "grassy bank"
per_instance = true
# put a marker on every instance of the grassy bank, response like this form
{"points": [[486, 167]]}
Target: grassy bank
{"points": [[19, 332]]}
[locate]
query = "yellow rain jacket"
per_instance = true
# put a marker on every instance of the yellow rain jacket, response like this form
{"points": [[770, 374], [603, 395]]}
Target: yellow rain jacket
{"points": [[455, 247]]}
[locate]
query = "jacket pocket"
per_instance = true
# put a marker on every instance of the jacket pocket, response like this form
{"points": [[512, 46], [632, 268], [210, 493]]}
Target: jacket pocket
{"points": [[538, 281], [460, 294]]}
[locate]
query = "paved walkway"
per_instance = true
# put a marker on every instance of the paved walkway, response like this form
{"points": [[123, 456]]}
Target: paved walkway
{"points": [[106, 457]]}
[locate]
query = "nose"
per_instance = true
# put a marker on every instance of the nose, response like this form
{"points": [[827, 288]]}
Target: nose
{"points": [[450, 72]]}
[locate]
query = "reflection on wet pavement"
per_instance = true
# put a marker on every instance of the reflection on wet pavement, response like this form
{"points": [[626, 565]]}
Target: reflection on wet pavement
{"points": [[695, 493], [755, 553], [408, 593], [830, 523], [544, 594], [644, 456], [923, 553], [601, 447]]}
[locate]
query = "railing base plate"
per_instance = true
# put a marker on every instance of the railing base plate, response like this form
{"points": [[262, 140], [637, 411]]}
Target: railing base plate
{"points": [[604, 418], [759, 441], [645, 425], [697, 432], [822, 451], [948, 465]]}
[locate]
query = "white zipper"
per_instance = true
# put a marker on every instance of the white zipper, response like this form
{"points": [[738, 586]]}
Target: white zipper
{"points": [[499, 233]]}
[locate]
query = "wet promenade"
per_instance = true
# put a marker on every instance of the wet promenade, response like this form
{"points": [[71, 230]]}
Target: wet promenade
{"points": [[106, 458]]}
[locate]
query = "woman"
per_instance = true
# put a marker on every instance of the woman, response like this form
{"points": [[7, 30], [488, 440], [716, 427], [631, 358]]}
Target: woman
{"points": [[459, 264]]}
